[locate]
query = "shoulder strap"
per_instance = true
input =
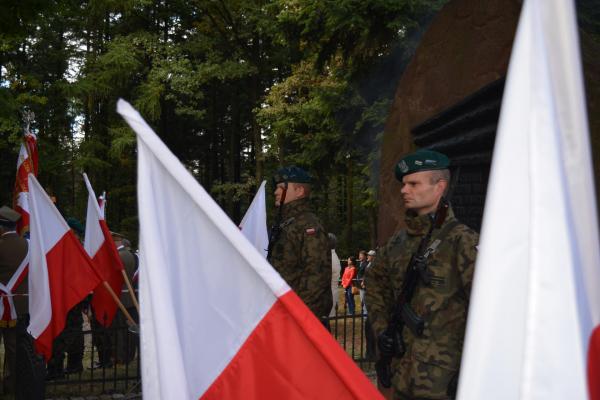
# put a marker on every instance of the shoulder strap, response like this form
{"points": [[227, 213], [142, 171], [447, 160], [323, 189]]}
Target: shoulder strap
{"points": [[441, 235]]}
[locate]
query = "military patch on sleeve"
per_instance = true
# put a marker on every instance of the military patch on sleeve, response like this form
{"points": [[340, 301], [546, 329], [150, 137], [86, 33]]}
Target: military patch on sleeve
{"points": [[311, 231]]}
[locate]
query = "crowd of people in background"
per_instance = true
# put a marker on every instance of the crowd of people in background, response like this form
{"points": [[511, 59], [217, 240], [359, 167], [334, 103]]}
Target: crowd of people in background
{"points": [[351, 276]]}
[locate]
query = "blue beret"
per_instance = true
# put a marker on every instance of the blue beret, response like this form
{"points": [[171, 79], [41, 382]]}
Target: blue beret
{"points": [[291, 174], [421, 160]]}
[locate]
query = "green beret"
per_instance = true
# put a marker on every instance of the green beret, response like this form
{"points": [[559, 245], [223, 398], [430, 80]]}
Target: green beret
{"points": [[421, 160], [291, 174], [75, 225]]}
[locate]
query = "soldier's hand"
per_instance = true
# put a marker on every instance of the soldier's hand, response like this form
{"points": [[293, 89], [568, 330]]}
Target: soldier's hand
{"points": [[385, 342]]}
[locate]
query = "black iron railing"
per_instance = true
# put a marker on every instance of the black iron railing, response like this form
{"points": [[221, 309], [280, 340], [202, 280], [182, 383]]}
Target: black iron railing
{"points": [[111, 363]]}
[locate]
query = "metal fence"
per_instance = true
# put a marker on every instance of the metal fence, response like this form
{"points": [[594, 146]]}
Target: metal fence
{"points": [[123, 376], [353, 333], [110, 363]]}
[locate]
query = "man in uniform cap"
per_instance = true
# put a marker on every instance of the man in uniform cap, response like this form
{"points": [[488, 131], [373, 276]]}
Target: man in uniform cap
{"points": [[13, 249], [430, 364], [298, 245]]}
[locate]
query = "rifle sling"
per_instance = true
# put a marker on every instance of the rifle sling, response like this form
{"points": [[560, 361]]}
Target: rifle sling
{"points": [[406, 309]]}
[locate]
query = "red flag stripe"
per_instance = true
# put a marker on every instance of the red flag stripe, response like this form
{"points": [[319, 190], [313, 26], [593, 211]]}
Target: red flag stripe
{"points": [[290, 355], [66, 287], [27, 163], [103, 303], [593, 367]]}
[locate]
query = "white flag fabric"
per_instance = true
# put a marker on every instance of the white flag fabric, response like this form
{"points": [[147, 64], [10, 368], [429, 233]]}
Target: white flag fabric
{"points": [[217, 322], [61, 274], [536, 291], [254, 223], [101, 248]]}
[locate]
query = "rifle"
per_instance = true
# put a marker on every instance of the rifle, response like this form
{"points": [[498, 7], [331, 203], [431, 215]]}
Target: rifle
{"points": [[403, 314]]}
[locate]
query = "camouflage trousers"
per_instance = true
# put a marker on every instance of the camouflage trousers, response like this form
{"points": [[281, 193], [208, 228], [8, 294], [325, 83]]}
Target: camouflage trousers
{"points": [[417, 380]]}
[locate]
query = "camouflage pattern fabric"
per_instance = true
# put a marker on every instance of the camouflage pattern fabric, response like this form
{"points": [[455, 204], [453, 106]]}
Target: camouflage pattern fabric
{"points": [[433, 360], [302, 256]]}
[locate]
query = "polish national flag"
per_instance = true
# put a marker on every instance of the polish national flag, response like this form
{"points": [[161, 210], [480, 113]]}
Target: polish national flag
{"points": [[536, 293], [101, 248], [61, 274], [217, 321], [254, 223], [27, 163]]}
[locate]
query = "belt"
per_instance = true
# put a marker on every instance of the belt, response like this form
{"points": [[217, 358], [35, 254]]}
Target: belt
{"points": [[8, 324]]}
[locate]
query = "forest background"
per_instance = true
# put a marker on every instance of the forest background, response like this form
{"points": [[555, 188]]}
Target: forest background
{"points": [[235, 88]]}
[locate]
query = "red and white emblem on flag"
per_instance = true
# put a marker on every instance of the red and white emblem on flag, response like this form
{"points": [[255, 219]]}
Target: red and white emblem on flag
{"points": [[27, 163]]}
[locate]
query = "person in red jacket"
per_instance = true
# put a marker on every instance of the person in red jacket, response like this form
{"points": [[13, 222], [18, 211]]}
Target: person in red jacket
{"points": [[349, 275]]}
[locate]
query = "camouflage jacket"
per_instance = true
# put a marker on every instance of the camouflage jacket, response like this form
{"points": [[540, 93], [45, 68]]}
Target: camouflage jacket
{"points": [[443, 305], [302, 256]]}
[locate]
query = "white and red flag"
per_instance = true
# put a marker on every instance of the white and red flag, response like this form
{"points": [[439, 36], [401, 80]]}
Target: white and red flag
{"points": [[101, 248], [254, 223], [536, 293], [61, 274], [27, 163], [217, 321]]}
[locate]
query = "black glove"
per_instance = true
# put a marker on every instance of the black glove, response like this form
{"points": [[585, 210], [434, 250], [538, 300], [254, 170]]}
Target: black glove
{"points": [[386, 345]]}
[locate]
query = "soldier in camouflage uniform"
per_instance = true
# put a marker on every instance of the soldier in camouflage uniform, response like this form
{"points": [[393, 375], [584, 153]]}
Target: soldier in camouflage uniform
{"points": [[298, 244], [430, 365]]}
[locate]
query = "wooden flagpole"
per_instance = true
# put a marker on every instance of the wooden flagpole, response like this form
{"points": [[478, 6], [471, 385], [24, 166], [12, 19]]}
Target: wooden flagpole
{"points": [[131, 292]]}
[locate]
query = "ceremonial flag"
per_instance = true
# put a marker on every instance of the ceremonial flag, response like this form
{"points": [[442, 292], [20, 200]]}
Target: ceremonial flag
{"points": [[101, 248], [27, 163], [61, 273], [254, 223], [217, 321], [536, 292]]}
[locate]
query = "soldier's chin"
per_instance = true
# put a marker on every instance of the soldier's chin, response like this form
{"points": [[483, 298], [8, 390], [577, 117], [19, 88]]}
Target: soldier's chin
{"points": [[277, 203]]}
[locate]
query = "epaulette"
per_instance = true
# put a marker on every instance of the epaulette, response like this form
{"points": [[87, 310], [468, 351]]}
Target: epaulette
{"points": [[286, 222]]}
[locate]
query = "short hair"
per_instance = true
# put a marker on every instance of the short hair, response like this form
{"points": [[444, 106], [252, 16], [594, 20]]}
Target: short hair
{"points": [[441, 175], [362, 252]]}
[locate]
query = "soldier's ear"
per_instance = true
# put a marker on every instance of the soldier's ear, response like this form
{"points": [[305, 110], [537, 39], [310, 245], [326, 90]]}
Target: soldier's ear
{"points": [[300, 190], [442, 185]]}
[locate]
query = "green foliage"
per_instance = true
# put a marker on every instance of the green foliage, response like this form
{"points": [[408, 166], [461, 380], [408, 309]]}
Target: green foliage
{"points": [[235, 88]]}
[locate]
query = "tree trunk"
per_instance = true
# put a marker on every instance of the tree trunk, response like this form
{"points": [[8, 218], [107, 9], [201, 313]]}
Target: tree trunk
{"points": [[349, 200]]}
